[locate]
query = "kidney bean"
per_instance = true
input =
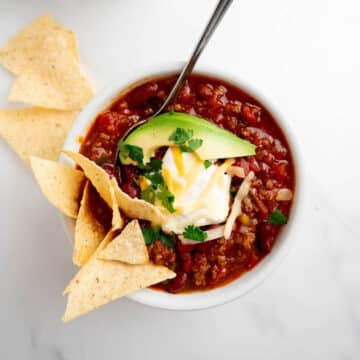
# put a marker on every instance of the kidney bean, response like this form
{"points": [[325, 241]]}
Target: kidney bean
{"points": [[265, 237], [184, 247], [131, 189]]}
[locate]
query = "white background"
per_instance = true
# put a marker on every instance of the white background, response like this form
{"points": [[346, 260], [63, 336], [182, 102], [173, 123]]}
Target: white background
{"points": [[304, 57]]}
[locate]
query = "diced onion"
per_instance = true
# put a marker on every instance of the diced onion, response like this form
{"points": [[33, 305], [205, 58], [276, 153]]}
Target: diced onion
{"points": [[236, 207], [236, 171], [284, 195], [244, 229], [212, 234]]}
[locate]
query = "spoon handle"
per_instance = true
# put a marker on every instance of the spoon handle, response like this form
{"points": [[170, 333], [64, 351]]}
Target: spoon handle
{"points": [[215, 19]]}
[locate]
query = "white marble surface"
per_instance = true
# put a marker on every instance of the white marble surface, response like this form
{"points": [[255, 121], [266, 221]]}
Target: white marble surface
{"points": [[304, 56]]}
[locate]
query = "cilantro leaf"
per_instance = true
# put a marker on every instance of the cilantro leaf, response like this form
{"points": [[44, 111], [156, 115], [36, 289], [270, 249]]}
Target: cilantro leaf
{"points": [[207, 164], [167, 240], [148, 194], [155, 178], [135, 153], [166, 197], [184, 148], [123, 150], [189, 149], [277, 218], [181, 136], [155, 164], [131, 151], [194, 144], [151, 234], [194, 233]]}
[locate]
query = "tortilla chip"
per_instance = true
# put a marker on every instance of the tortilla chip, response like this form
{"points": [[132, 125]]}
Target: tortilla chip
{"points": [[100, 281], [23, 51], [73, 283], [88, 231], [137, 208], [117, 221], [58, 84], [36, 132], [100, 179], [60, 184], [128, 247]]}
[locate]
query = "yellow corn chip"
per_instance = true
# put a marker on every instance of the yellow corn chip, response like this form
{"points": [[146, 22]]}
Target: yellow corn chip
{"points": [[102, 183], [128, 247], [88, 231], [100, 281], [25, 49], [75, 280], [58, 84], [60, 184], [117, 221], [37, 132]]}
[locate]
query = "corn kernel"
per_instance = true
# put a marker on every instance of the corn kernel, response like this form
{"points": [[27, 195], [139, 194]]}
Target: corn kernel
{"points": [[245, 220]]}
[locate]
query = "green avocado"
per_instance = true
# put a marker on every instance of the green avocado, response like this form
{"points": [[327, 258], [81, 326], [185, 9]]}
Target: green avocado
{"points": [[217, 143]]}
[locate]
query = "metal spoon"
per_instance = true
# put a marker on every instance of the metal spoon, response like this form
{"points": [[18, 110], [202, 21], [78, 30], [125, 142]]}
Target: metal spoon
{"points": [[215, 19]]}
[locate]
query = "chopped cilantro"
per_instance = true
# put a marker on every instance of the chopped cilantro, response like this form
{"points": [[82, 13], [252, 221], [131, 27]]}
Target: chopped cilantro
{"points": [[167, 240], [207, 164], [181, 136], [152, 234], [131, 151], [155, 164], [166, 197], [155, 178], [194, 233], [194, 144], [148, 194], [157, 189], [277, 218], [123, 150]]}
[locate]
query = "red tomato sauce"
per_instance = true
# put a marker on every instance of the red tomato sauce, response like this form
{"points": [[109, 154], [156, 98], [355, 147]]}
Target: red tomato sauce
{"points": [[213, 263]]}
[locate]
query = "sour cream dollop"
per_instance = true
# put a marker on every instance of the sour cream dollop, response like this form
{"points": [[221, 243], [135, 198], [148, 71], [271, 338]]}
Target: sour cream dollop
{"points": [[202, 195]]}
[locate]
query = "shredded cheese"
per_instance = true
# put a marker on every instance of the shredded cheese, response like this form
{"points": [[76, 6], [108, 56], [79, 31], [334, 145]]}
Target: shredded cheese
{"points": [[178, 160], [143, 183], [216, 177], [167, 178], [236, 171], [193, 173], [236, 207]]}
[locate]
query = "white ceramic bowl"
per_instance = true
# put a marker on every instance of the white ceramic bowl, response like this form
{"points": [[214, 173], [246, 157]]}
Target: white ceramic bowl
{"points": [[237, 288]]}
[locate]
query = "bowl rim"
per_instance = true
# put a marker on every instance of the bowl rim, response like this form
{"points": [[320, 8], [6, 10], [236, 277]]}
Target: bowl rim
{"points": [[246, 282]]}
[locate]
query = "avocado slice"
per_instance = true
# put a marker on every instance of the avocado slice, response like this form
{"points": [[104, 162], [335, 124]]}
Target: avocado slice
{"points": [[217, 142]]}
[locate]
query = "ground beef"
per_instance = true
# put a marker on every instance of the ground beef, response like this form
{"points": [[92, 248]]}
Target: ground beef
{"points": [[161, 254], [200, 268]]}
